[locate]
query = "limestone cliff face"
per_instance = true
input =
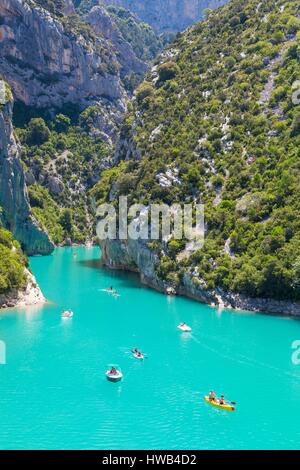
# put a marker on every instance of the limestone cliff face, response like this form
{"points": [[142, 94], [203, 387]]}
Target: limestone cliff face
{"points": [[31, 294], [103, 23], [51, 61], [68, 8], [168, 15], [15, 210]]}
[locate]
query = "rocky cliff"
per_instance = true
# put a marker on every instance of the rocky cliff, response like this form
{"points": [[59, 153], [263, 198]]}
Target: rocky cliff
{"points": [[168, 15], [15, 210], [215, 122], [103, 23], [51, 60], [135, 256], [31, 294]]}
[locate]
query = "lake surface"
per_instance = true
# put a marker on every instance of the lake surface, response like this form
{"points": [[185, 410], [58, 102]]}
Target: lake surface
{"points": [[54, 394]]}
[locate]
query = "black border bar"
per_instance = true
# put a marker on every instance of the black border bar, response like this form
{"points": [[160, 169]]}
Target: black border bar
{"points": [[135, 458]]}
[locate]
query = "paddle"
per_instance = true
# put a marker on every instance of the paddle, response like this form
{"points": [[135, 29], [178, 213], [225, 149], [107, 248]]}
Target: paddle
{"points": [[230, 402]]}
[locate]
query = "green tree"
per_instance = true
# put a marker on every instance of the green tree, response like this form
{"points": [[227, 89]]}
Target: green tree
{"points": [[167, 71], [145, 90], [62, 123], [66, 221], [37, 132]]}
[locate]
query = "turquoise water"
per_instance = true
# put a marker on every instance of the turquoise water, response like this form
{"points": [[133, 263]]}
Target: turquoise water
{"points": [[54, 394]]}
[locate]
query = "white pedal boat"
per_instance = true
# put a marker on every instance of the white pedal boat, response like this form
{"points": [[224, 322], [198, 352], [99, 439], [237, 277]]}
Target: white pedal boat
{"points": [[114, 377], [67, 314]]}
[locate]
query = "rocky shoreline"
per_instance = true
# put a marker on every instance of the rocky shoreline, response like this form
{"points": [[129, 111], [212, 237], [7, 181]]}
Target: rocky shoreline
{"points": [[30, 295], [135, 256]]}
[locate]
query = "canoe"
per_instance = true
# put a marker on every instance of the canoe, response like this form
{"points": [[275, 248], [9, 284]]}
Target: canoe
{"points": [[226, 407], [141, 357]]}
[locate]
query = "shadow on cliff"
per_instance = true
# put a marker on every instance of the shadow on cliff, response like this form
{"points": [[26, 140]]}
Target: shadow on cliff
{"points": [[125, 278]]}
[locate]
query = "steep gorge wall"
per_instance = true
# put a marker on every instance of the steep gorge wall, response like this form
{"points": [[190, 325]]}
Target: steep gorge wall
{"points": [[102, 23], [168, 15], [49, 62], [15, 210]]}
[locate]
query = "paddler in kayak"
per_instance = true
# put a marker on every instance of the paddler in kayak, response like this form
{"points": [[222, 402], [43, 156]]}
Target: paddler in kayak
{"points": [[212, 396], [222, 400], [137, 352]]}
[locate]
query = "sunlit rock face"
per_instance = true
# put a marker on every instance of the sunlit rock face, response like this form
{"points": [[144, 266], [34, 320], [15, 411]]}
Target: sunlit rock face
{"points": [[47, 64], [168, 15], [103, 24]]}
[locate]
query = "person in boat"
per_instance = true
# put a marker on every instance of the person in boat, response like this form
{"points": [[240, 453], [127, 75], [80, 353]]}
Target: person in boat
{"points": [[212, 396], [183, 324], [113, 371], [67, 313], [222, 400]]}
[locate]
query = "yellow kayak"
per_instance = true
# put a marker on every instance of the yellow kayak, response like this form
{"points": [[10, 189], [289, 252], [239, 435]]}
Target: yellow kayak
{"points": [[226, 407]]}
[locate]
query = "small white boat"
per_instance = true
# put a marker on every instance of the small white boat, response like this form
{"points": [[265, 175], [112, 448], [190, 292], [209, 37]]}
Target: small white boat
{"points": [[184, 327], [67, 314], [138, 355], [114, 376], [112, 292]]}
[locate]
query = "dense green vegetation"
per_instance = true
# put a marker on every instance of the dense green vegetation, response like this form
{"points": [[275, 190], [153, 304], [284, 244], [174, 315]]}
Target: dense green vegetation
{"points": [[218, 108], [64, 161], [12, 263]]}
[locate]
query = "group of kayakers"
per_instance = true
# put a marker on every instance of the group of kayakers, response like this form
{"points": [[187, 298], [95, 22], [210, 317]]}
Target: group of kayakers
{"points": [[137, 353], [213, 397]]}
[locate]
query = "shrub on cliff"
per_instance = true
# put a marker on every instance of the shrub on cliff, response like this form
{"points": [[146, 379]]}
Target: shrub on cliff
{"points": [[145, 90], [167, 71], [12, 263], [37, 132]]}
